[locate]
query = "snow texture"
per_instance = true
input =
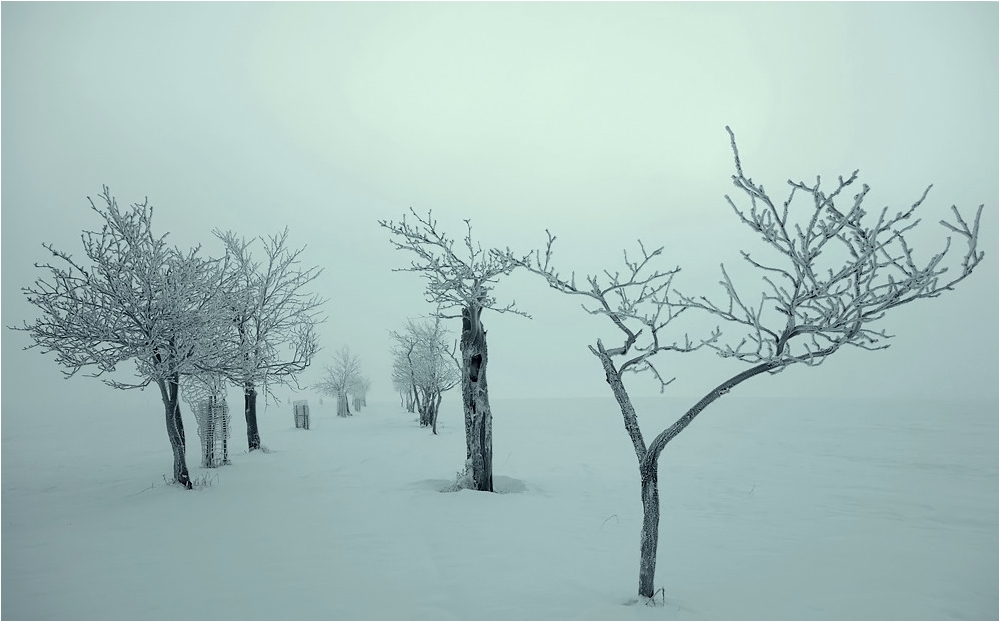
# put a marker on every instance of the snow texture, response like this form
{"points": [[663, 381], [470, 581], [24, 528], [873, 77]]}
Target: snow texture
{"points": [[771, 509]]}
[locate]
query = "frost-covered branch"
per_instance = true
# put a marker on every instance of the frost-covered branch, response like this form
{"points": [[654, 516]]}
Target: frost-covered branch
{"points": [[273, 313], [460, 279], [455, 278], [425, 364], [339, 377], [836, 270], [134, 298], [638, 301]]}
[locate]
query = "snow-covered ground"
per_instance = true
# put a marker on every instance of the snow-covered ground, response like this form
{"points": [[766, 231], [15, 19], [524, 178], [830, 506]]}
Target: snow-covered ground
{"points": [[771, 509]]}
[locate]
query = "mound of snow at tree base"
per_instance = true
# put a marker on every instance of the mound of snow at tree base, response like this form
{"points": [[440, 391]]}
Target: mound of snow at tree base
{"points": [[771, 509]]}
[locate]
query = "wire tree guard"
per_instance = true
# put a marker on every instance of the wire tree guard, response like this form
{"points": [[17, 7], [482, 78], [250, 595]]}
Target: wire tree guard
{"points": [[206, 396], [301, 408]]}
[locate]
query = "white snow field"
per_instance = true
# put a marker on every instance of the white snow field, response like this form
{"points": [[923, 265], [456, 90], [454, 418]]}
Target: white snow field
{"points": [[772, 509]]}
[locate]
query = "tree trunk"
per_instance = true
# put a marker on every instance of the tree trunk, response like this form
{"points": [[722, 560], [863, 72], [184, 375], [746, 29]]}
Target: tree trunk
{"points": [[434, 415], [250, 410], [475, 397], [425, 407], [648, 459], [175, 428], [649, 536], [343, 407]]}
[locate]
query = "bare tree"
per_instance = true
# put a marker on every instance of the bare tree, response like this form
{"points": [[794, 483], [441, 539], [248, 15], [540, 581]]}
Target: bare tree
{"points": [[340, 376], [836, 272], [402, 379], [461, 282], [137, 300], [638, 302], [425, 361], [359, 390], [274, 318]]}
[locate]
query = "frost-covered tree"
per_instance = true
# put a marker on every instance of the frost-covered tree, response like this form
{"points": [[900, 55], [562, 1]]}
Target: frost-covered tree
{"points": [[461, 278], [402, 382], [135, 298], [427, 363], [833, 273], [359, 391], [638, 302], [274, 318], [339, 377]]}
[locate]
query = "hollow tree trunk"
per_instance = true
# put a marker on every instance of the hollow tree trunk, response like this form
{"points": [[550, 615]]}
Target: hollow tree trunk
{"points": [[475, 397], [175, 428], [250, 410], [649, 536]]}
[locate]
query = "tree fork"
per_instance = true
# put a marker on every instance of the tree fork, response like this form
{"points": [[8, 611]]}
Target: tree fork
{"points": [[175, 429]]}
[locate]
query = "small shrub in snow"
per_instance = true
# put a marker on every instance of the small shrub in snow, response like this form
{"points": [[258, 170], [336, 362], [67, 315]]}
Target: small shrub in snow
{"points": [[205, 480], [463, 480]]}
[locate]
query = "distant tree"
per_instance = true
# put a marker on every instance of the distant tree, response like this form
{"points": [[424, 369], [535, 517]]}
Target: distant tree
{"points": [[461, 282], [402, 382], [428, 364], [365, 387], [133, 298], [835, 272], [274, 318], [339, 377], [359, 390]]}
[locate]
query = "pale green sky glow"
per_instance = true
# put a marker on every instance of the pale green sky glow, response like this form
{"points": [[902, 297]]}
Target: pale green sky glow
{"points": [[602, 121]]}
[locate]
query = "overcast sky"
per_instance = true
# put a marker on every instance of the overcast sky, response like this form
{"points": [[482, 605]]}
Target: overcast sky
{"points": [[602, 122]]}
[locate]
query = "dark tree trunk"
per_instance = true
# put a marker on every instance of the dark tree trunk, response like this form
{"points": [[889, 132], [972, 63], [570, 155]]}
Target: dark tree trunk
{"points": [[429, 409], [475, 397], [649, 458], [250, 409], [411, 399], [649, 536], [425, 408], [169, 390]]}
